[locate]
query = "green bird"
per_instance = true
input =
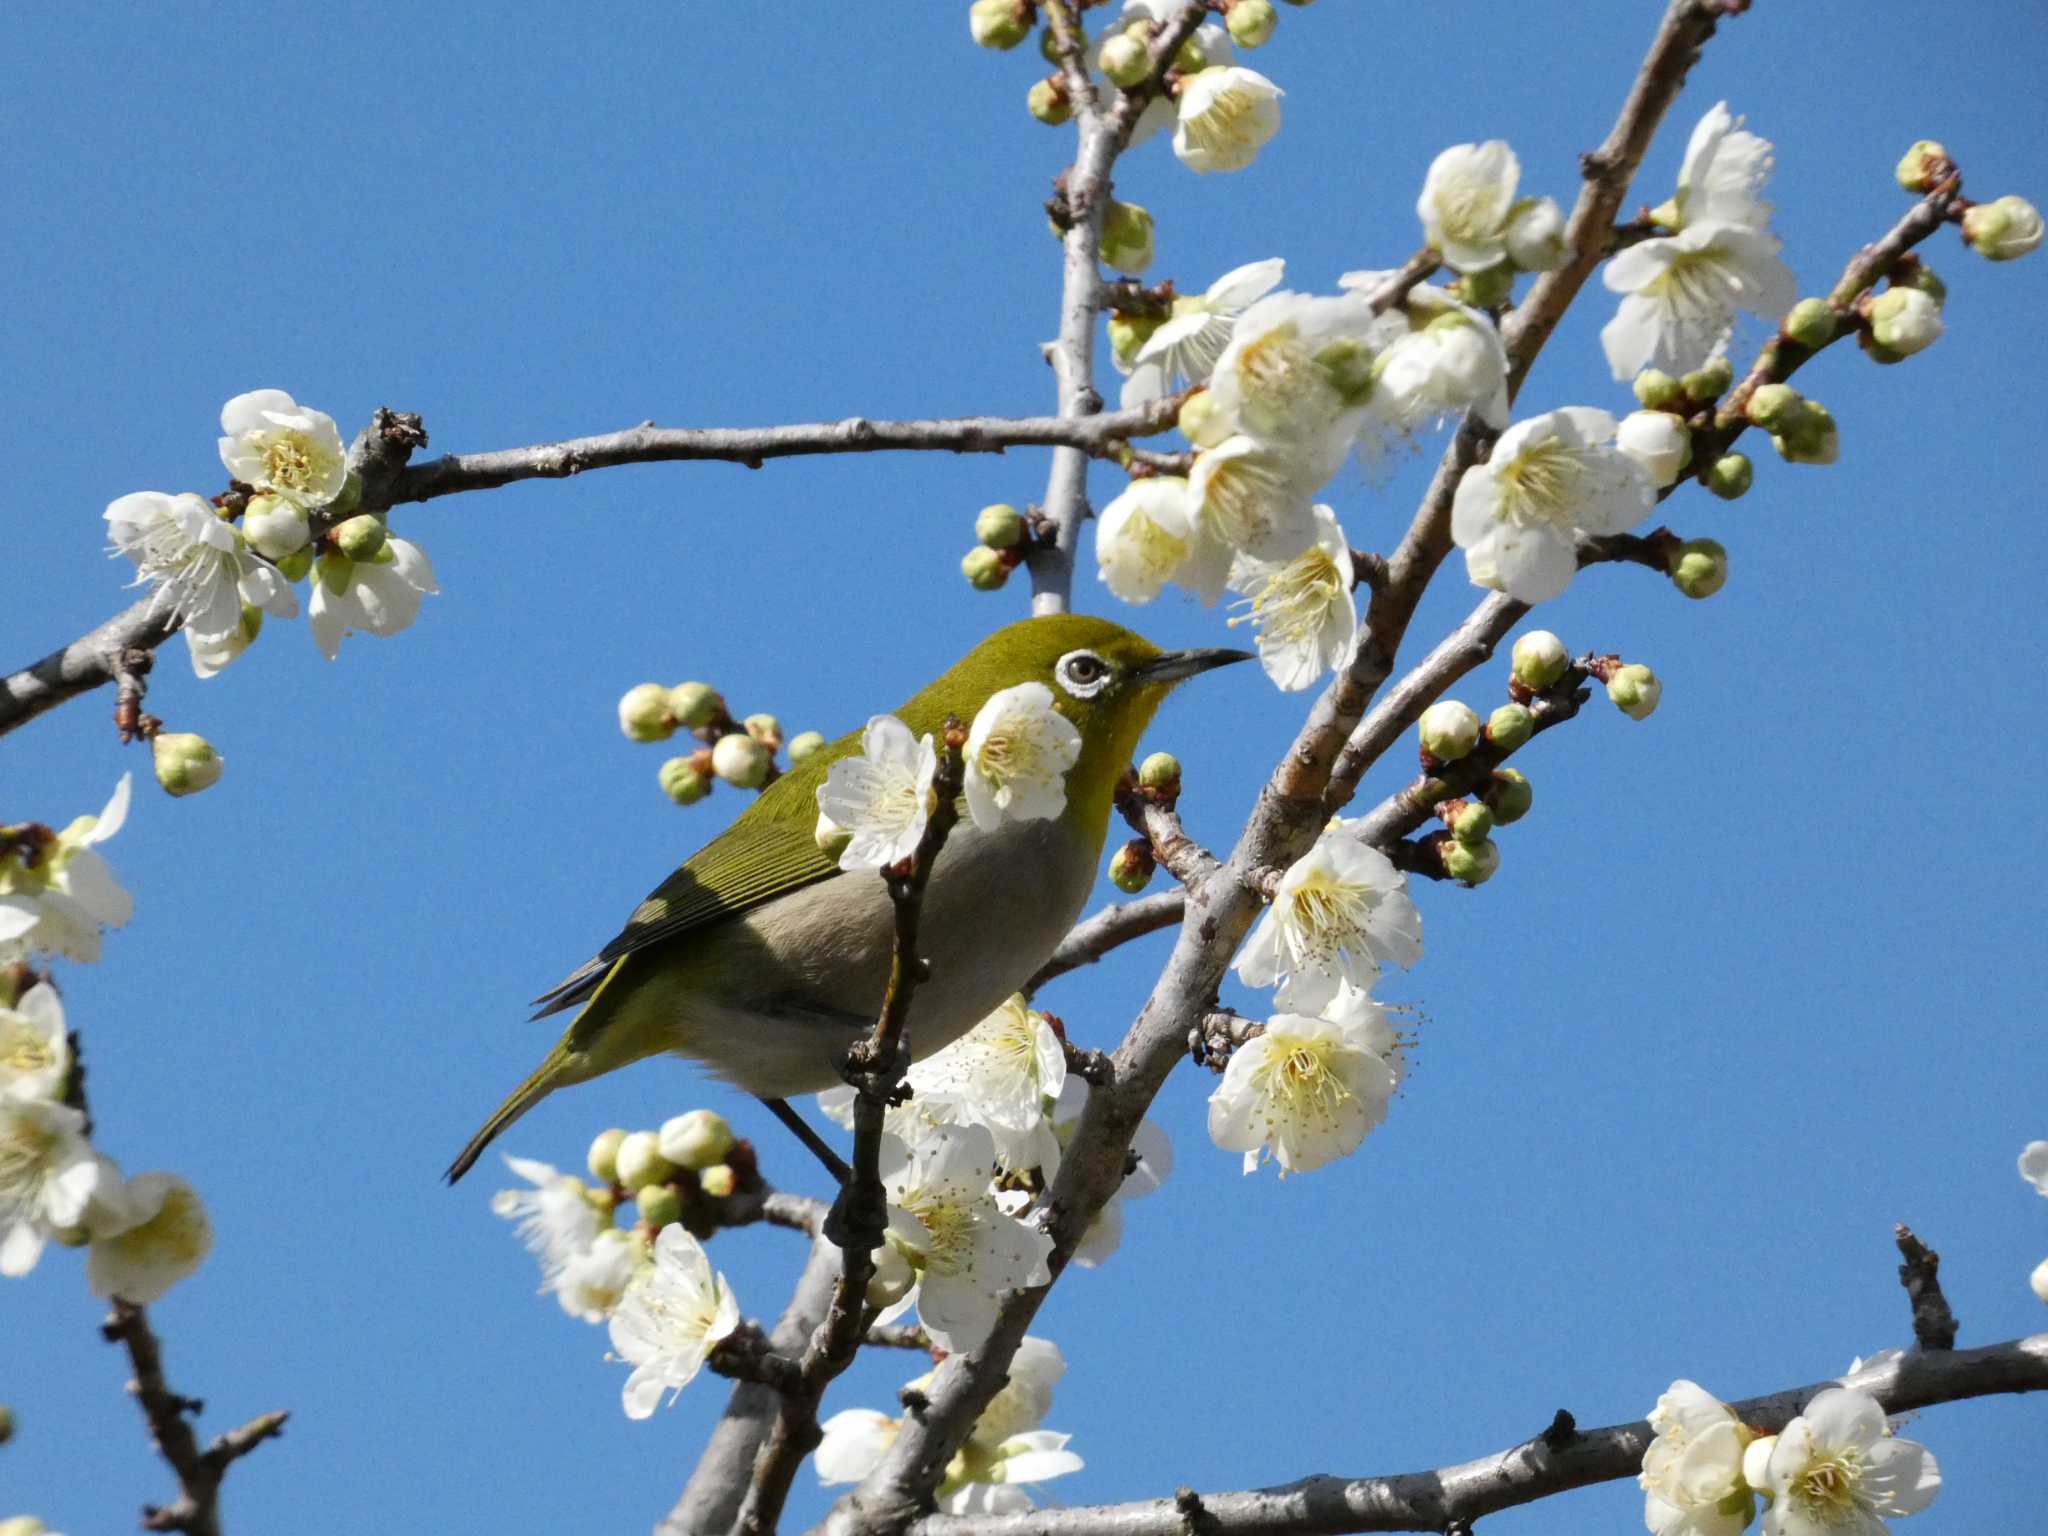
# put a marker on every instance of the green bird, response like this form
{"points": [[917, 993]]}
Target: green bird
{"points": [[762, 960]]}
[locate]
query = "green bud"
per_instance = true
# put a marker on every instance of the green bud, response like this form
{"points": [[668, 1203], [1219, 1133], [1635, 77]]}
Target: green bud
{"points": [[296, 566], [1471, 822], [1710, 380], [350, 498], [1811, 323], [645, 713], [741, 761], [696, 1139], [1192, 57], [1903, 321], [185, 763], [1729, 476], [999, 23], [1698, 567], [361, 537], [639, 1162], [682, 781], [1049, 48], [1470, 863], [1539, 659], [1000, 526], [1488, 288], [1127, 237], [1448, 729], [2003, 230], [1125, 59], [1508, 796], [1916, 167], [1348, 364], [1203, 421], [660, 1205], [984, 568], [765, 729], [831, 838], [1161, 770], [1635, 690], [275, 526], [694, 704], [1048, 101], [1131, 866], [1656, 390], [603, 1157], [718, 1181], [1251, 22], [1129, 333], [1811, 439], [1510, 727], [1775, 407], [1922, 278], [804, 745]]}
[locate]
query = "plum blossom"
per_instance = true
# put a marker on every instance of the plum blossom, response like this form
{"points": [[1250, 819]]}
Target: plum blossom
{"points": [[1018, 752], [1297, 372], [1148, 536], [1224, 116], [275, 444], [1302, 608], [1692, 1473], [882, 796], [378, 596], [204, 573], [1465, 201], [555, 1218], [1341, 910], [1837, 1469], [56, 891], [1187, 345], [1307, 1089], [35, 1051], [166, 1235], [49, 1175], [1252, 498], [670, 1321], [1722, 178]]}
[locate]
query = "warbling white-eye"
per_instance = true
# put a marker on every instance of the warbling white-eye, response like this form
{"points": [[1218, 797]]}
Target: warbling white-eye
{"points": [[764, 961]]}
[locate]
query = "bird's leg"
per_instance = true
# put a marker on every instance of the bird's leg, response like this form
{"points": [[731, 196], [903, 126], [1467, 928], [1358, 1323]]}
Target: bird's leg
{"points": [[875, 1069], [834, 1163]]}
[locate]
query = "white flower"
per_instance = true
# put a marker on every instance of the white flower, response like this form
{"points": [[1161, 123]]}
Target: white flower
{"points": [[2034, 1166], [1465, 201], [1151, 1160], [1722, 179], [1683, 292], [57, 893], [670, 1321], [856, 1440], [1186, 346], [1224, 116], [945, 1221], [1306, 1090], [1145, 537], [35, 1053], [1026, 1397], [275, 444], [1302, 608], [556, 1221], [593, 1283], [1341, 910], [1835, 1470], [984, 1479], [378, 597], [169, 1237], [883, 796], [48, 1176], [1658, 441], [203, 570], [1535, 234], [1519, 515], [1454, 363], [1251, 498], [1001, 1072], [1297, 372], [1692, 1473], [1018, 754]]}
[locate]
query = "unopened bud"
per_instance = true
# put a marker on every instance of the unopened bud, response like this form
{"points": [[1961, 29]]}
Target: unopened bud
{"points": [[831, 838], [718, 1181], [804, 744], [1920, 276], [1251, 22], [1191, 58], [1775, 407], [645, 713], [1658, 441], [1730, 475], [661, 1205], [1656, 390], [984, 568], [185, 763], [1000, 526], [696, 1139], [275, 526], [1489, 288], [1916, 167], [1449, 730], [741, 761], [1203, 421], [893, 1277], [1535, 234], [1756, 1462], [1811, 439], [1698, 567], [1131, 866], [2038, 1280], [1539, 659], [296, 566], [1904, 321], [765, 729], [1127, 237], [1470, 863], [1510, 727], [639, 1162], [683, 781], [1509, 796], [999, 23], [1160, 770], [694, 704], [1471, 822], [1125, 59], [1811, 323], [1048, 101], [1128, 335], [1635, 690], [1710, 380], [603, 1157], [2004, 229], [361, 537]]}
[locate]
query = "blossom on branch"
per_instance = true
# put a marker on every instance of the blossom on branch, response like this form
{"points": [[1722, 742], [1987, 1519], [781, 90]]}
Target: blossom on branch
{"points": [[49, 1175], [1465, 201], [670, 1321], [35, 1052], [376, 595], [555, 1218], [1186, 346], [1837, 1468], [1307, 1089], [164, 1236], [881, 797], [1148, 536], [203, 570], [56, 891], [1224, 116], [1692, 1473], [273, 443], [1722, 178], [1301, 608], [1018, 753], [1341, 911]]}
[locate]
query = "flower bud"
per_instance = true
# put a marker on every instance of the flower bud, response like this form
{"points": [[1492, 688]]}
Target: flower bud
{"points": [[1656, 390], [1251, 22], [645, 713], [682, 781], [1191, 58], [1811, 439], [603, 1157], [1811, 323], [1131, 866], [1756, 1462], [741, 761], [1698, 567], [1203, 421], [1125, 59], [2038, 1280], [1470, 863], [1047, 100], [694, 704], [1775, 407], [999, 23], [1904, 321], [1635, 690], [765, 729], [1729, 476], [275, 526], [1916, 167], [1449, 730], [1539, 659], [1535, 234], [361, 537], [1000, 526], [1471, 822], [696, 1139], [1127, 237], [831, 838], [1508, 796], [660, 1205], [1128, 335], [893, 1277], [296, 566], [1710, 380], [1510, 727], [1660, 442], [1160, 770], [984, 568], [2003, 230], [185, 763], [805, 744], [1487, 289], [718, 1181], [639, 1161]]}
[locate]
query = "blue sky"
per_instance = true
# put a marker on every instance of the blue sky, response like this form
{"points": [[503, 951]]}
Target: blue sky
{"points": [[1758, 978]]}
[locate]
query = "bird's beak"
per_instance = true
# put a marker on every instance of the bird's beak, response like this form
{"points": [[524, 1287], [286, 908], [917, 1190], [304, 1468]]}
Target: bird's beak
{"points": [[1165, 670]]}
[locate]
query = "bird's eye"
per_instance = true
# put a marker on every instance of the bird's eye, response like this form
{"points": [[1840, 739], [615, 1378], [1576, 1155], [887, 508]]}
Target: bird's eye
{"points": [[1082, 673]]}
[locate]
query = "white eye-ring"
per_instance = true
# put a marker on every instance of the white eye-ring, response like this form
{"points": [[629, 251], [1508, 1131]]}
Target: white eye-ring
{"points": [[1082, 673]]}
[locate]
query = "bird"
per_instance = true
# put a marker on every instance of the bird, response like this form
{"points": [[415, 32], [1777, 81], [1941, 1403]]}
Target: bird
{"points": [[761, 959]]}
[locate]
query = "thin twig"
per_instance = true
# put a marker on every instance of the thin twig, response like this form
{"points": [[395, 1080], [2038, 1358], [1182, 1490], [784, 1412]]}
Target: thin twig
{"points": [[1934, 1325], [1115, 925]]}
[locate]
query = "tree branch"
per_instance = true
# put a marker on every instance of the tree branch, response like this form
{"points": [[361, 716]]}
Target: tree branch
{"points": [[1934, 1325]]}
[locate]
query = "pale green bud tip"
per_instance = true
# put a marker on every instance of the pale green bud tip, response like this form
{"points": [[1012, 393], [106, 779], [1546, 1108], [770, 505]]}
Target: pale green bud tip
{"points": [[1811, 323], [1510, 727], [682, 782], [718, 1181], [2003, 230], [1710, 380], [1192, 58], [1487, 288], [603, 1157], [1125, 59], [805, 745], [984, 568], [645, 713], [831, 838], [1774, 407], [1161, 770], [696, 1140], [1471, 822], [1698, 567], [361, 537], [1470, 863], [1730, 476], [640, 1163], [1127, 237], [1915, 170], [1251, 22], [1635, 690], [1128, 335], [1000, 526], [1131, 866], [1048, 102], [1811, 438], [1656, 390], [1509, 796], [1449, 730], [1539, 660], [660, 1205], [296, 566], [741, 761], [185, 763], [999, 23], [765, 729], [694, 704]]}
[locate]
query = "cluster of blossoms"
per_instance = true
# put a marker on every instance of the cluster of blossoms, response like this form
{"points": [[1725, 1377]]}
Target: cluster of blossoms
{"points": [[741, 752], [1835, 1468], [1005, 1451], [218, 578]]}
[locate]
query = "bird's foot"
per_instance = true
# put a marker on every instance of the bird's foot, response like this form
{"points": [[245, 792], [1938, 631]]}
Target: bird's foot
{"points": [[859, 1217]]}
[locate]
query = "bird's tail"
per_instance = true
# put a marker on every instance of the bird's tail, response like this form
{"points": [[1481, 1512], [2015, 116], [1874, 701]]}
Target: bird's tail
{"points": [[557, 1071]]}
